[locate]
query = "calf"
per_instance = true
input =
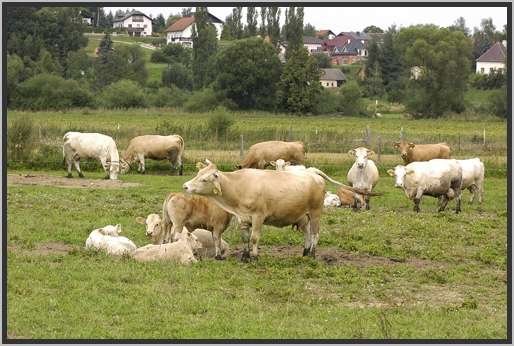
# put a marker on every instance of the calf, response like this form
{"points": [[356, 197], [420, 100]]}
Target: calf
{"points": [[351, 199], [411, 152], [331, 200], [181, 251], [108, 240]]}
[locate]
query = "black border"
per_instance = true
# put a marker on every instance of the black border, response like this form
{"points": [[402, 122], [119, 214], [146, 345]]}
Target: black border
{"points": [[508, 340]]}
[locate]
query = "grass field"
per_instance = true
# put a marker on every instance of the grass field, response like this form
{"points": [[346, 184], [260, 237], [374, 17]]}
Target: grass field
{"points": [[385, 273]]}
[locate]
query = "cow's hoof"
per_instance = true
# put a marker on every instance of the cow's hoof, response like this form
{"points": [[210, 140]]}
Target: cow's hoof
{"points": [[69, 176], [245, 257], [219, 258], [306, 252], [81, 175]]}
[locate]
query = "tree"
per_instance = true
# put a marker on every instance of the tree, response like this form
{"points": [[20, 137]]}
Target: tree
{"points": [[309, 30], [187, 12], [391, 64], [322, 60], [299, 86], [171, 19], [237, 24], [226, 32], [460, 25], [263, 30], [205, 45], [15, 69], [294, 29], [78, 65], [109, 19], [251, 21], [373, 29], [372, 70], [178, 75], [273, 26], [159, 23], [351, 102], [46, 64], [484, 37], [248, 73]]}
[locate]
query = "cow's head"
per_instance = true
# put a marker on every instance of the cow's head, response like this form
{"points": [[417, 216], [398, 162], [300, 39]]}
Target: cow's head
{"points": [[361, 155], [111, 230], [399, 173], [190, 238], [404, 147], [206, 182], [153, 225], [280, 165]]}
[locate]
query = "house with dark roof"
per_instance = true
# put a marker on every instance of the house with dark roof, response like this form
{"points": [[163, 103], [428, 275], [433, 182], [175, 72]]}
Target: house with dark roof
{"points": [[348, 53], [332, 77], [313, 44], [136, 23], [325, 34], [180, 31], [493, 59]]}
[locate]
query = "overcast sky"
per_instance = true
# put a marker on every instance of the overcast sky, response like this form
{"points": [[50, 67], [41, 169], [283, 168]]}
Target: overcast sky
{"points": [[340, 19]]}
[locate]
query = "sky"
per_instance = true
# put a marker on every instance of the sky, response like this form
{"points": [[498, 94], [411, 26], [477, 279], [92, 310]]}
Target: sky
{"points": [[340, 19]]}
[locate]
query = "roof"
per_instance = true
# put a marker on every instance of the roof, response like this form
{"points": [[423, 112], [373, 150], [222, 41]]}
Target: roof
{"points": [[312, 40], [496, 53], [182, 23], [355, 35], [130, 14], [324, 33], [336, 41], [332, 74], [351, 48]]}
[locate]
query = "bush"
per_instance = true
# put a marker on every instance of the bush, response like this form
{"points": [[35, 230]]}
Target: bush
{"points": [[498, 102], [328, 103], [219, 122], [168, 97], [179, 75], [351, 102], [47, 91], [493, 80], [202, 101], [159, 57], [20, 139], [122, 94]]}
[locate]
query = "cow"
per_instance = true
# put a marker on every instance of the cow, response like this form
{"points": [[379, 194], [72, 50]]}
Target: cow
{"points": [[257, 197], [364, 173], [349, 198], [473, 178], [181, 210], [411, 152], [281, 165], [261, 154], [331, 200], [153, 147], [153, 224], [107, 239], [79, 146], [182, 251], [440, 178]]}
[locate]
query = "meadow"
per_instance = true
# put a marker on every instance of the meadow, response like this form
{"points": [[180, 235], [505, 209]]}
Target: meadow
{"points": [[383, 273]]}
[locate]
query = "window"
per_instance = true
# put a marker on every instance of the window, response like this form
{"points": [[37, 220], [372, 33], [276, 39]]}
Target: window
{"points": [[137, 18], [144, 26], [491, 69], [482, 70], [130, 25]]}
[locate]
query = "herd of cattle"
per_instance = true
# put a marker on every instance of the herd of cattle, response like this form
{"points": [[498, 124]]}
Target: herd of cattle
{"points": [[192, 222]]}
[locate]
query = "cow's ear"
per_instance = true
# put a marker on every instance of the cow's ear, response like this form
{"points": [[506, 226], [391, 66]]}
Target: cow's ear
{"points": [[200, 165], [412, 145], [141, 220], [396, 145], [390, 172], [351, 152], [118, 228], [370, 153]]}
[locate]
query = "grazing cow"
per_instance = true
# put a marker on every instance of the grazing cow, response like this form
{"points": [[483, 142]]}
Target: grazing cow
{"points": [[363, 174], [473, 178], [411, 152], [261, 154], [437, 178], [331, 200], [260, 197], [79, 146], [191, 211], [182, 251], [351, 199], [281, 165], [153, 224], [107, 239], [153, 147]]}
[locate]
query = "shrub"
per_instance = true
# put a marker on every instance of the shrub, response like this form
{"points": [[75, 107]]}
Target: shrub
{"points": [[202, 101], [328, 102], [219, 122], [498, 102], [47, 91], [122, 94], [20, 139], [494, 80], [168, 97], [159, 57], [179, 75], [351, 102]]}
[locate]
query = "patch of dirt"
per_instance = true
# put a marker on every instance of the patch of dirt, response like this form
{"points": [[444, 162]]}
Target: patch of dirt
{"points": [[45, 249], [334, 256], [81, 183]]}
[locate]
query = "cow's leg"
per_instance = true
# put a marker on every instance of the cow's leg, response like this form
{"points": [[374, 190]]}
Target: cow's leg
{"points": [[443, 201], [105, 166], [245, 235], [480, 193], [456, 186], [417, 200], [304, 225], [141, 159], [216, 237], [76, 163], [257, 221], [69, 163], [314, 223], [367, 202]]}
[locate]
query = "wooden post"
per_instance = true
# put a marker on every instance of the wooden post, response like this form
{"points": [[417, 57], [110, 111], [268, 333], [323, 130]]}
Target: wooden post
{"points": [[484, 137], [241, 148], [379, 148], [459, 144], [290, 133], [402, 134]]}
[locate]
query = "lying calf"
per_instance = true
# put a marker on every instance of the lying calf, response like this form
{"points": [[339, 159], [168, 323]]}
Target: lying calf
{"points": [[108, 240], [351, 199], [331, 200]]}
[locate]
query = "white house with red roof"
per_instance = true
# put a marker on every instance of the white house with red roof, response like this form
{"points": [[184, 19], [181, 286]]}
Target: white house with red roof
{"points": [[181, 30], [136, 23], [493, 59]]}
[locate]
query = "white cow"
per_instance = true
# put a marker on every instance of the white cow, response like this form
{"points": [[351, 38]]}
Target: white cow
{"points": [[182, 251], [79, 146], [107, 239], [153, 223], [363, 174], [331, 200], [473, 178], [281, 165], [440, 178]]}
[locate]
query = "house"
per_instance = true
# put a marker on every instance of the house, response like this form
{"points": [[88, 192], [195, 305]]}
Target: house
{"points": [[325, 34], [332, 77], [313, 44], [349, 53], [180, 31], [493, 59], [136, 23]]}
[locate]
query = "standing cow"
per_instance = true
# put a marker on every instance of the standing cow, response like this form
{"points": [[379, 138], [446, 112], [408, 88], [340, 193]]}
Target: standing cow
{"points": [[79, 146], [437, 178], [473, 178], [411, 152], [153, 147], [363, 174], [261, 154]]}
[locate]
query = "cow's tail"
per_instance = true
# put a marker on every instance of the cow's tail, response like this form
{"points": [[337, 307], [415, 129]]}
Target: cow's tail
{"points": [[326, 177]]}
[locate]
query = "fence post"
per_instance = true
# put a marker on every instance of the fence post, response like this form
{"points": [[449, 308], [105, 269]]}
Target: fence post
{"points": [[379, 148], [367, 136], [459, 144], [241, 148], [402, 134], [484, 138], [290, 133]]}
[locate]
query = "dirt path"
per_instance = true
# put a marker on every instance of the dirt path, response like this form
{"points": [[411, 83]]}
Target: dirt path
{"points": [[46, 180]]}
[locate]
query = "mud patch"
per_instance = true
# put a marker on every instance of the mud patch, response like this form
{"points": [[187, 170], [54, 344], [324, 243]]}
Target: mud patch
{"points": [[45, 249], [81, 183]]}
